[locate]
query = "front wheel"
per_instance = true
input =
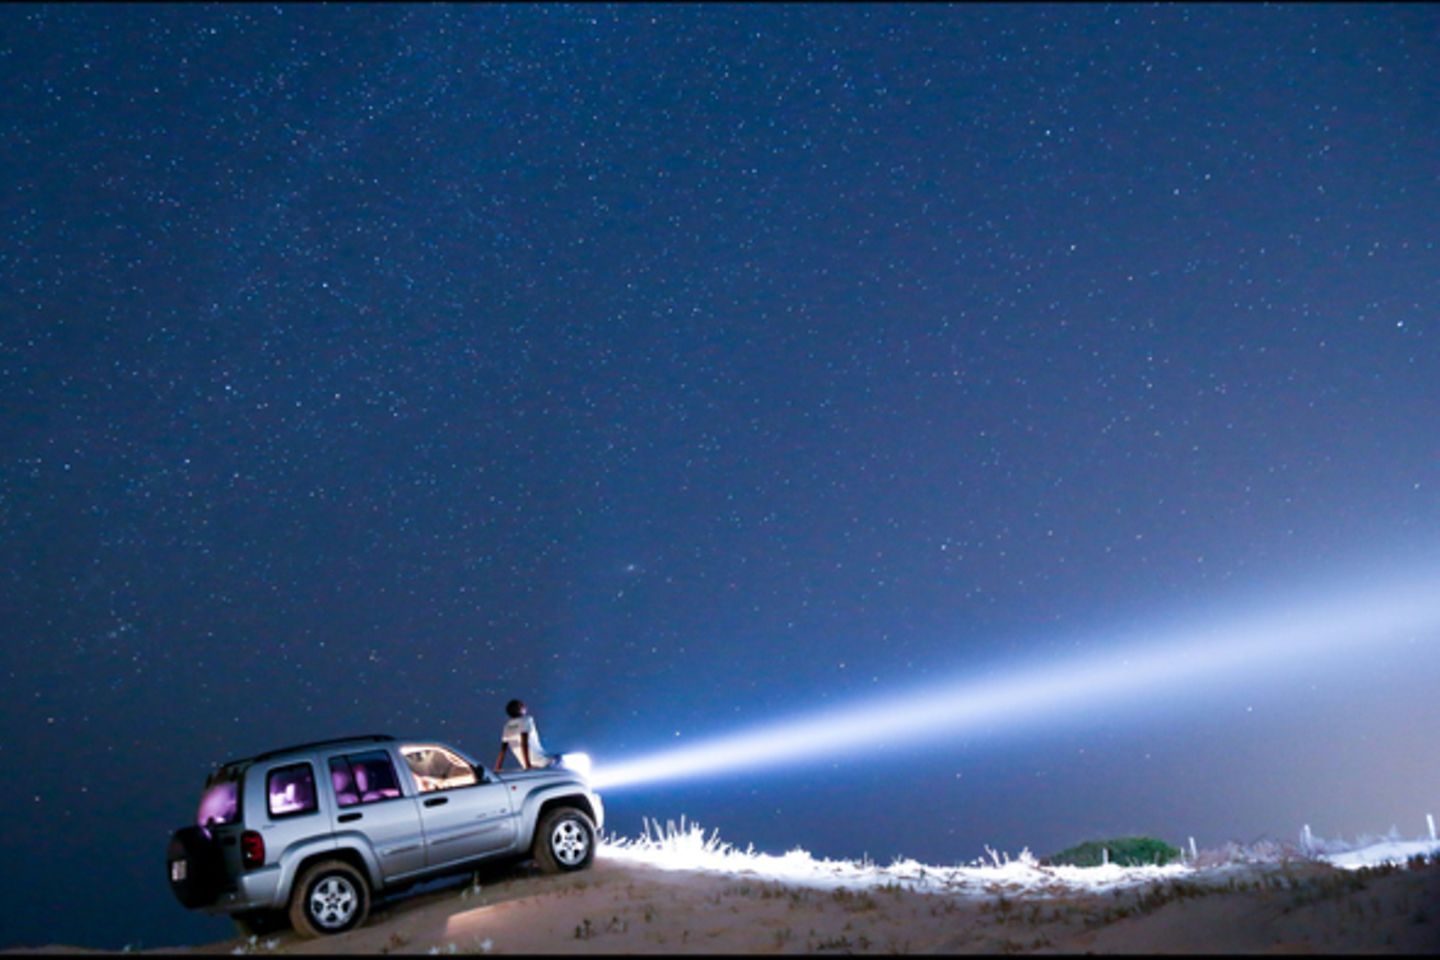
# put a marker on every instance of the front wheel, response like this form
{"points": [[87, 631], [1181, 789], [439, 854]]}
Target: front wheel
{"points": [[564, 841], [329, 897]]}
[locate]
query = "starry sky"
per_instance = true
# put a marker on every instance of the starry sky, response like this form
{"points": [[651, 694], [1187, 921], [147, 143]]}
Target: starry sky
{"points": [[681, 369]]}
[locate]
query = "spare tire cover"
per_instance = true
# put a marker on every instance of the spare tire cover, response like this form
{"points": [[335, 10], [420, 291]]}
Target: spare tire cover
{"points": [[198, 883]]}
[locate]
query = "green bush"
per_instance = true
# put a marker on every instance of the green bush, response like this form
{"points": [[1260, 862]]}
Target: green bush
{"points": [[1125, 851]]}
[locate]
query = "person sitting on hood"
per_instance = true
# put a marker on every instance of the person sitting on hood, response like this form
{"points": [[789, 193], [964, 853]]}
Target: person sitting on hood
{"points": [[523, 739]]}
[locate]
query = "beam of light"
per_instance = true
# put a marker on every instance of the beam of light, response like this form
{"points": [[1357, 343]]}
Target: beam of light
{"points": [[1168, 666]]}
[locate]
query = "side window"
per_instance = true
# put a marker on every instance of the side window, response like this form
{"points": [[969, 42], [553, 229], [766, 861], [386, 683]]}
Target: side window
{"points": [[290, 790], [436, 768], [363, 778]]}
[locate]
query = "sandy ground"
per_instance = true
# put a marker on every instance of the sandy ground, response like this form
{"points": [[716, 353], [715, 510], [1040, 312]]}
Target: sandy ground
{"points": [[623, 907]]}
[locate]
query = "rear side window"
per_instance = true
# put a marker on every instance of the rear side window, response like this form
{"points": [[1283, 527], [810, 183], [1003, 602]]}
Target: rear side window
{"points": [[363, 778], [291, 790]]}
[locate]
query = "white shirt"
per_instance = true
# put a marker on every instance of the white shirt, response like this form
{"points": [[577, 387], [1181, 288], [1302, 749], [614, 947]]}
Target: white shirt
{"points": [[516, 726]]}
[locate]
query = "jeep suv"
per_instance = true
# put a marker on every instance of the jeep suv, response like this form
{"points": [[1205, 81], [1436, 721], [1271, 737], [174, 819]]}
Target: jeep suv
{"points": [[316, 830]]}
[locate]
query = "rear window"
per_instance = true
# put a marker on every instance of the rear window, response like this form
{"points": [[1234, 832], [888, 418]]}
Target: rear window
{"points": [[220, 803]]}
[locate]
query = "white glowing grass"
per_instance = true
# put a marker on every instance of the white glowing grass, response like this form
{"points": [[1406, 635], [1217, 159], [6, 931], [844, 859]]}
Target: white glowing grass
{"points": [[1386, 851], [1373, 851], [685, 846], [1162, 666], [1369, 850]]}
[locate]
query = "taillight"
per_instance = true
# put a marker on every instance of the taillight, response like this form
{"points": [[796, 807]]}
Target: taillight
{"points": [[252, 849]]}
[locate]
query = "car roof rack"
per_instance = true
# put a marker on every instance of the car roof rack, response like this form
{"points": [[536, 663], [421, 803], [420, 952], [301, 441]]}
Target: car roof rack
{"points": [[367, 738]]}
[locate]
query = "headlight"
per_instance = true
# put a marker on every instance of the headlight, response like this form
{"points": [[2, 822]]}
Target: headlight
{"points": [[579, 762]]}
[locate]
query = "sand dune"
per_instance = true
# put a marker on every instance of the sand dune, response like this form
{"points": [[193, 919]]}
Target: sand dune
{"points": [[643, 899], [622, 907]]}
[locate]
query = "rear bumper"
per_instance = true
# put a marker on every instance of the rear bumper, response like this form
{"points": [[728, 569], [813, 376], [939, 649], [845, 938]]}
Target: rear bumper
{"points": [[256, 890]]}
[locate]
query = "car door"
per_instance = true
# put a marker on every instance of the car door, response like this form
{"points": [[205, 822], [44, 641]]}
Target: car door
{"points": [[369, 801], [465, 814]]}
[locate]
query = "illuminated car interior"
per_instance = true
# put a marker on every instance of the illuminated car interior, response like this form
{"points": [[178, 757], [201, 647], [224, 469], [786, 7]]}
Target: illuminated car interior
{"points": [[436, 768]]}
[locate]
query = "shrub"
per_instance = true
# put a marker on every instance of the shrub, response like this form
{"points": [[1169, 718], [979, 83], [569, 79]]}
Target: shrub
{"points": [[1125, 851]]}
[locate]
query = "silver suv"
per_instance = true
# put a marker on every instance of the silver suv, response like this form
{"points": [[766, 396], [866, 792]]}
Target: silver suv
{"points": [[316, 830]]}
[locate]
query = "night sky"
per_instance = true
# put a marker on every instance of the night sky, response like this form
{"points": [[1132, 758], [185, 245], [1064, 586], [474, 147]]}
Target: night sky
{"points": [[684, 369]]}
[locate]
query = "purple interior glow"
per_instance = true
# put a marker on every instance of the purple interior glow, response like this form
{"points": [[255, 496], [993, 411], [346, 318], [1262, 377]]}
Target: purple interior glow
{"points": [[363, 779], [375, 780], [219, 804], [344, 784], [292, 790]]}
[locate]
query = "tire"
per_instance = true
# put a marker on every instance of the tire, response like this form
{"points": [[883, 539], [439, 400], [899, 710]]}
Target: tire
{"points": [[258, 923], [329, 897], [564, 841]]}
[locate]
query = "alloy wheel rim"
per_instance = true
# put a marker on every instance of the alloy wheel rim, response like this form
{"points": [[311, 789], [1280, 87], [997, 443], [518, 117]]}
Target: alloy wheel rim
{"points": [[569, 842], [333, 902]]}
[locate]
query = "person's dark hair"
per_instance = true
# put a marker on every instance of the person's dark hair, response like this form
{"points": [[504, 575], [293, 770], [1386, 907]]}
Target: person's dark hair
{"points": [[514, 707]]}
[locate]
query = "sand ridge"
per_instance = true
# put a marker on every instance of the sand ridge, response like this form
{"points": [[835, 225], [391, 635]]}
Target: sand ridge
{"points": [[620, 907]]}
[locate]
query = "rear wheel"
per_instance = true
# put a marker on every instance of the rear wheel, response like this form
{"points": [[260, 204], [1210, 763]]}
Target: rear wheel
{"points": [[564, 841], [329, 897]]}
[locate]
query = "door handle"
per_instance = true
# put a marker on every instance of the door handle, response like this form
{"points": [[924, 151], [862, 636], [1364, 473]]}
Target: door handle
{"points": [[437, 801], [348, 817]]}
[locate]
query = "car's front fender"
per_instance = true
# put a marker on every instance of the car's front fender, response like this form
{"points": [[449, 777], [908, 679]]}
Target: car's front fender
{"points": [[542, 794]]}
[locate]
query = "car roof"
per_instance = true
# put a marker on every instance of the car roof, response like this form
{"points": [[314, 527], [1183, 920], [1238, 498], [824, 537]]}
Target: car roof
{"points": [[316, 744]]}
